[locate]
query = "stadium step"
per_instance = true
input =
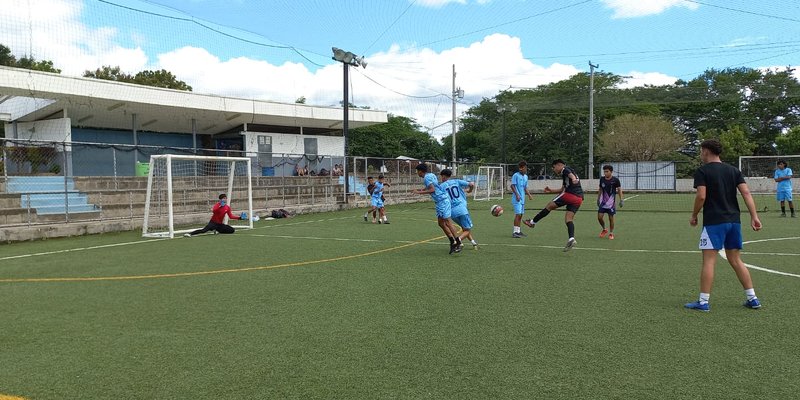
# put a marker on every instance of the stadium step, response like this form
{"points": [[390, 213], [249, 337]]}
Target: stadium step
{"points": [[49, 194]]}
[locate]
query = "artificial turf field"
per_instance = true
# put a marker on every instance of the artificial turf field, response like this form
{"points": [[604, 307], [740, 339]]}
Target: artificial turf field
{"points": [[326, 306]]}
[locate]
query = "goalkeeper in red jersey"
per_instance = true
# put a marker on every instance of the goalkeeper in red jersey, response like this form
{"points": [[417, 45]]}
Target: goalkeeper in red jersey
{"points": [[217, 223]]}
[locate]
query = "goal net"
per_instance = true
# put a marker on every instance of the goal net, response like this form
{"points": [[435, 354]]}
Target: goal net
{"points": [[490, 183], [765, 166], [181, 190]]}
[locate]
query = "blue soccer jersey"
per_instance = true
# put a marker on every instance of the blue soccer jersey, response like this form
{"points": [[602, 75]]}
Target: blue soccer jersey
{"points": [[377, 190], [520, 182], [784, 185], [438, 194], [458, 198]]}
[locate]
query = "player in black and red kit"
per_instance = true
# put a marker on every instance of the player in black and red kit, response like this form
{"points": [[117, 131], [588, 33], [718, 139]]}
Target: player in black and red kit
{"points": [[217, 223], [570, 195]]}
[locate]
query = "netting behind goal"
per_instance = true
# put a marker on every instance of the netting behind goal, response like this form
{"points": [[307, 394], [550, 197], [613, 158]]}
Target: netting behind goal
{"points": [[765, 166], [181, 190], [489, 183]]}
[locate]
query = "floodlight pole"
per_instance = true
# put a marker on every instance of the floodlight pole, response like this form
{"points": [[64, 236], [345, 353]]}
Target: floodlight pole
{"points": [[590, 171], [457, 94], [346, 129], [347, 59]]}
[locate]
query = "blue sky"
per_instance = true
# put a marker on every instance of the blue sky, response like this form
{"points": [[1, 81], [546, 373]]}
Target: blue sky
{"points": [[280, 49]]}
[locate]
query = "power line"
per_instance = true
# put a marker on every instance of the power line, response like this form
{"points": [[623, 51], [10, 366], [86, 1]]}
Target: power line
{"points": [[390, 26], [743, 11], [201, 24]]}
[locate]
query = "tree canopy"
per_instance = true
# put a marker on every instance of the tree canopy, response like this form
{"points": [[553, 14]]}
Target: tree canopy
{"points": [[28, 62], [161, 78], [399, 136]]}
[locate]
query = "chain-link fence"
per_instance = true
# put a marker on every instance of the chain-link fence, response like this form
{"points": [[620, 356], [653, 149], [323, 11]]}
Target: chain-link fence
{"points": [[59, 182]]}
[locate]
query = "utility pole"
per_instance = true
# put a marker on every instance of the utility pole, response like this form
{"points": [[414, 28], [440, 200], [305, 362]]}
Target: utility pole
{"points": [[457, 94], [590, 171]]}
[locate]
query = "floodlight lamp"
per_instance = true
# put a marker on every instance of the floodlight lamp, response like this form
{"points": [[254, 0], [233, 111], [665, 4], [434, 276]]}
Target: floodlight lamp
{"points": [[348, 58], [338, 54]]}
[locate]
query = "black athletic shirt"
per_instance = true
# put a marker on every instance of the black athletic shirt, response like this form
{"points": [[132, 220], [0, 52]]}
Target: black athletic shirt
{"points": [[721, 182], [574, 188]]}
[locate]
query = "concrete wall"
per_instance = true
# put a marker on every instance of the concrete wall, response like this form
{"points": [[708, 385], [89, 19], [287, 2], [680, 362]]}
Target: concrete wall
{"points": [[293, 144]]}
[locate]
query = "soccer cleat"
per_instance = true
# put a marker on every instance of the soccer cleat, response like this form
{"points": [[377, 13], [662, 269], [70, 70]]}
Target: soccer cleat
{"points": [[457, 249], [697, 305], [570, 244], [752, 303], [452, 248], [529, 223], [516, 235], [603, 233], [187, 235], [783, 215], [386, 221], [475, 246], [794, 215], [610, 236]]}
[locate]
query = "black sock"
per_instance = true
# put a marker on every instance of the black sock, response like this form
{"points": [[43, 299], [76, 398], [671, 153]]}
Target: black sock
{"points": [[458, 240], [452, 241], [541, 215], [783, 209], [571, 229]]}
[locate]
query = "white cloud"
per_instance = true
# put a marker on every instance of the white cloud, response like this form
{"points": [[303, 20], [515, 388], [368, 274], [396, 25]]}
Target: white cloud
{"points": [[59, 35], [641, 8], [636, 78]]}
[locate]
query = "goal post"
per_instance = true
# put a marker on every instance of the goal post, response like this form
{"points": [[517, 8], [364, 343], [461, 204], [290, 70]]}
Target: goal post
{"points": [[181, 191], [490, 183]]}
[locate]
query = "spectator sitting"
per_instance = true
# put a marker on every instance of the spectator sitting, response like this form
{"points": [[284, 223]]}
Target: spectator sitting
{"points": [[324, 172], [298, 170]]}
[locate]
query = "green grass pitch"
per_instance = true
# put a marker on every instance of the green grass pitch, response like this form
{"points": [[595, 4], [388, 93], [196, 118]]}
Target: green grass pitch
{"points": [[326, 306]]}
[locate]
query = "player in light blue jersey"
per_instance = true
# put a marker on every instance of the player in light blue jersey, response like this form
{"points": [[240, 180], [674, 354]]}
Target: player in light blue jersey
{"points": [[519, 189], [442, 202], [378, 199], [783, 175], [458, 204]]}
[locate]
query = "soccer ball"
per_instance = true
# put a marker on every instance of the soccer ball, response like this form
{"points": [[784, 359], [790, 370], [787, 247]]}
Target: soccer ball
{"points": [[497, 210]]}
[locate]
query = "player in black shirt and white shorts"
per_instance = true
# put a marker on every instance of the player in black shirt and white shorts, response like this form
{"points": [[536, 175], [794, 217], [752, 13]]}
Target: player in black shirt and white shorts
{"points": [[717, 184], [570, 195]]}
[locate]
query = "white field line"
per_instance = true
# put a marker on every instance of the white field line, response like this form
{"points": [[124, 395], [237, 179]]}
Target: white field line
{"points": [[47, 253], [751, 266], [631, 197]]}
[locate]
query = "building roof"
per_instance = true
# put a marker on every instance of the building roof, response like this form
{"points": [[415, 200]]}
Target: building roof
{"points": [[27, 95]]}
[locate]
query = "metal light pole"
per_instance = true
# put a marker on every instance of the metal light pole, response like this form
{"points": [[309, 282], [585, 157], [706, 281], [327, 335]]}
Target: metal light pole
{"points": [[457, 93], [347, 59], [590, 171], [503, 109]]}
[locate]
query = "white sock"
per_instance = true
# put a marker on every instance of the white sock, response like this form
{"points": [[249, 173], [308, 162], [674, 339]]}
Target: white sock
{"points": [[473, 242], [516, 229], [704, 297], [750, 293]]}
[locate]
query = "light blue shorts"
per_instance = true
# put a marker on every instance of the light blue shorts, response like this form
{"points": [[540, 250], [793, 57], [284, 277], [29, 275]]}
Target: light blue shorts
{"points": [[721, 236], [784, 195], [443, 209], [376, 202], [519, 208], [464, 221]]}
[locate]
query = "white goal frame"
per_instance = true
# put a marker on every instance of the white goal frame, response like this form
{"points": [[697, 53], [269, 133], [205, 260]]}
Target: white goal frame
{"points": [[490, 183], [171, 231]]}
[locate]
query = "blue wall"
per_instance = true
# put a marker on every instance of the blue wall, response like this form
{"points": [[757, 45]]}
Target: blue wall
{"points": [[98, 161]]}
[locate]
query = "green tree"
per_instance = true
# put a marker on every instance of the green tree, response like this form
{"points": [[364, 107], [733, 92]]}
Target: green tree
{"points": [[161, 78], [9, 60], [790, 142], [734, 142], [399, 136], [630, 137], [109, 73]]}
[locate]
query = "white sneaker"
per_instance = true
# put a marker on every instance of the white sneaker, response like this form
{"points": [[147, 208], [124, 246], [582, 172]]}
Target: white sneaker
{"points": [[570, 244], [187, 235]]}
